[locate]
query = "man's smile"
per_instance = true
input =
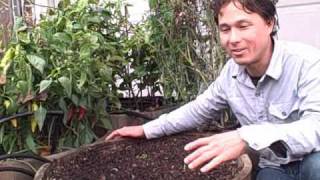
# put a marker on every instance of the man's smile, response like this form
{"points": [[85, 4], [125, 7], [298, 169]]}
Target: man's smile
{"points": [[237, 52]]}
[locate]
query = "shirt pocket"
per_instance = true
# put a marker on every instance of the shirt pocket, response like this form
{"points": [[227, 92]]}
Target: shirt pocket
{"points": [[241, 110], [283, 112]]}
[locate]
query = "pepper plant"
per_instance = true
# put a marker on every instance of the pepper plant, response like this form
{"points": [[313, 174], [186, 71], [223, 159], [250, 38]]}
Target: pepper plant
{"points": [[142, 70], [186, 42], [60, 72]]}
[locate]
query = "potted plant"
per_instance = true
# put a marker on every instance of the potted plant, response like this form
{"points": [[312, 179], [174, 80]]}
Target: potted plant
{"points": [[55, 77]]}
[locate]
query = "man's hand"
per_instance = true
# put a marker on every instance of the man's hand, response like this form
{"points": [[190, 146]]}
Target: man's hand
{"points": [[214, 150], [128, 131]]}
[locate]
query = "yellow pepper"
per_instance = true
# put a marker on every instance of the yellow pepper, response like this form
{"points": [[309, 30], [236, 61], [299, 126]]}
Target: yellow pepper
{"points": [[35, 107], [6, 104], [14, 123], [7, 58], [34, 123]]}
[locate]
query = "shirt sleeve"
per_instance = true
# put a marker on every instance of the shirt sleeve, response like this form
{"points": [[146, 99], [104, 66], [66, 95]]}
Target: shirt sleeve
{"points": [[191, 115], [302, 136]]}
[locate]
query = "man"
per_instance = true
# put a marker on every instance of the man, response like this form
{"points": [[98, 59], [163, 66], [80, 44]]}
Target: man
{"points": [[272, 87]]}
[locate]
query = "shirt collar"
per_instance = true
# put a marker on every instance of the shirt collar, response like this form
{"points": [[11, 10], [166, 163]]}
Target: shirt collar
{"points": [[275, 67], [239, 69]]}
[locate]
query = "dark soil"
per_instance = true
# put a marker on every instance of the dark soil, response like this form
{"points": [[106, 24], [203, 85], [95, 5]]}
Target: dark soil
{"points": [[158, 159]]}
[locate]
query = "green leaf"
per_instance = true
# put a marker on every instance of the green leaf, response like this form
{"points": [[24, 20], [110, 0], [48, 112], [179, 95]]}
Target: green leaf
{"points": [[93, 38], [30, 143], [153, 4], [94, 1], [106, 122], [85, 51], [83, 102], [82, 4], [10, 144], [63, 37], [37, 62], [63, 4], [1, 133], [19, 24], [63, 106], [22, 87], [59, 47], [110, 48], [117, 58], [66, 84], [83, 135], [61, 24], [44, 84], [13, 106], [106, 73], [102, 115], [75, 99], [140, 70], [76, 26], [24, 37], [29, 77], [22, 28], [7, 58], [40, 116], [95, 19], [90, 136], [83, 79]]}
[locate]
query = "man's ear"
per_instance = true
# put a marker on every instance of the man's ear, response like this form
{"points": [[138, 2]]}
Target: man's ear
{"points": [[272, 25]]}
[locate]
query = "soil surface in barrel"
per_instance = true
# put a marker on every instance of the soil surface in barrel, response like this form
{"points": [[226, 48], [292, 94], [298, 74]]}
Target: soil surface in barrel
{"points": [[157, 159]]}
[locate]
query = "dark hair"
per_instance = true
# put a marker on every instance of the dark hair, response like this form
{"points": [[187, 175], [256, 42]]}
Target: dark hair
{"points": [[265, 8]]}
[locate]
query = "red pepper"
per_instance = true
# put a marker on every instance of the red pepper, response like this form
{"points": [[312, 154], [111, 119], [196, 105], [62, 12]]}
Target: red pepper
{"points": [[82, 112], [71, 112]]}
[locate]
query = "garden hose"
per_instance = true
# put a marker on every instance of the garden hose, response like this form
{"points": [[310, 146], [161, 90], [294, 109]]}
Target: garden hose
{"points": [[17, 169], [4, 119], [137, 114], [29, 156]]}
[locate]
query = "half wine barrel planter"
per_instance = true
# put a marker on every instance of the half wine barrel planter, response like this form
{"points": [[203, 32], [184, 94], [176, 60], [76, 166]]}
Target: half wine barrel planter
{"points": [[158, 159]]}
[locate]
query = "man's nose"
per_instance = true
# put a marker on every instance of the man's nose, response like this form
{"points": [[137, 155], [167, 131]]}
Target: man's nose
{"points": [[234, 36]]}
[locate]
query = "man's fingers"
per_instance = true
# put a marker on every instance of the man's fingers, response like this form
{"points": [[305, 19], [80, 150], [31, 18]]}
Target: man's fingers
{"points": [[113, 135], [220, 158], [127, 131], [213, 163], [197, 143], [195, 154], [110, 136], [204, 158]]}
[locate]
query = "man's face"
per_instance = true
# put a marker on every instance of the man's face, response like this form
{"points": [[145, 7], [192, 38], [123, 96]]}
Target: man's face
{"points": [[245, 36]]}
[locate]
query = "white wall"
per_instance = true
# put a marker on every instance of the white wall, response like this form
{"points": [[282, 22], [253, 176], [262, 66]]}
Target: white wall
{"points": [[137, 10], [300, 21], [40, 7]]}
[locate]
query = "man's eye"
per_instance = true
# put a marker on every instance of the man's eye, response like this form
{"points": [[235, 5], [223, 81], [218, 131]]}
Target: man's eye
{"points": [[224, 29], [244, 26]]}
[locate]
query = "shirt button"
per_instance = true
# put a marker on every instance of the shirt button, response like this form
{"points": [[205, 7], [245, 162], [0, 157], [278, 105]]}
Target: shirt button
{"points": [[257, 94], [284, 113]]}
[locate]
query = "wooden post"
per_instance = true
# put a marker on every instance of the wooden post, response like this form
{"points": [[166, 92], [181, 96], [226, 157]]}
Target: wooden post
{"points": [[6, 23], [28, 13]]}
